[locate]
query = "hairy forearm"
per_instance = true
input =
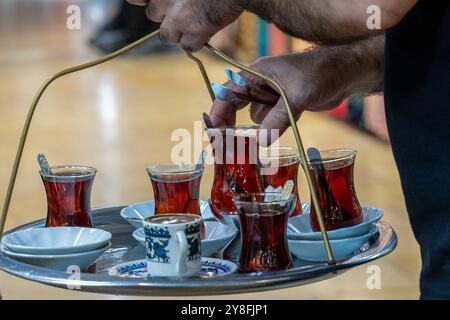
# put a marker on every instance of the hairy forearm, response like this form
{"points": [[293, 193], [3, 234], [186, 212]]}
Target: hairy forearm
{"points": [[359, 64], [348, 70], [369, 55], [328, 22]]}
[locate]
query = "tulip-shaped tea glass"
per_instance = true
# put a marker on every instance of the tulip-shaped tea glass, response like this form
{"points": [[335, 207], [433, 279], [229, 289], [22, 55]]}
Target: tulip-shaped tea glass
{"points": [[279, 165], [336, 190], [176, 188], [263, 219], [236, 166], [68, 191]]}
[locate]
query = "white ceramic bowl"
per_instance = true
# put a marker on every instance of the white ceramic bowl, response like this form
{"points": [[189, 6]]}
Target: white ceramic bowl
{"points": [[60, 262], [314, 250], [231, 220], [299, 227], [57, 240], [217, 237], [135, 213]]}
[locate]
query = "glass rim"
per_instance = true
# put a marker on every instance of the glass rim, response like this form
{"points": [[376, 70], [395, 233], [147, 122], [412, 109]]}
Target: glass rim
{"points": [[251, 194], [351, 154], [197, 218], [294, 153], [193, 169], [90, 171], [238, 127]]}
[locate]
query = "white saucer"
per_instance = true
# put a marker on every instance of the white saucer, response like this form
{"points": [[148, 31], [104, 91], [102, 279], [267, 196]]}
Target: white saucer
{"points": [[57, 240], [314, 250], [299, 227], [211, 267], [217, 237], [61, 262]]}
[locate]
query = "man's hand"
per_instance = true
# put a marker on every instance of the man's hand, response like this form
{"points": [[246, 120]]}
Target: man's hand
{"points": [[190, 22], [315, 80]]}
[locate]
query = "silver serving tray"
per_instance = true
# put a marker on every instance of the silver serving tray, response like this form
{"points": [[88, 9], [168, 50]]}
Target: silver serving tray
{"points": [[125, 248]]}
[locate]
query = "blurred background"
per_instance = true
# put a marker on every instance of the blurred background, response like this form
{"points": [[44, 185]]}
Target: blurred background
{"points": [[119, 118]]}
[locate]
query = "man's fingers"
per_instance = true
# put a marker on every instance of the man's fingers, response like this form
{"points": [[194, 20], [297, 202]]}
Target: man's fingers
{"points": [[223, 113], [262, 65], [138, 2], [155, 12], [254, 80], [276, 122], [192, 43], [258, 112], [168, 33]]}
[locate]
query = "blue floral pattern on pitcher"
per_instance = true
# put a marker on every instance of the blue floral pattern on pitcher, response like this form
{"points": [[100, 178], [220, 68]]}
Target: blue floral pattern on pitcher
{"points": [[194, 241], [157, 240]]}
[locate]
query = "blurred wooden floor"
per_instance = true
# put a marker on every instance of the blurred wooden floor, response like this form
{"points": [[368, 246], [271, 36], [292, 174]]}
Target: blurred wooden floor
{"points": [[119, 118]]}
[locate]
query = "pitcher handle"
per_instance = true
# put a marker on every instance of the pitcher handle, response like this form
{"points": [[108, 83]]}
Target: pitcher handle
{"points": [[183, 244]]}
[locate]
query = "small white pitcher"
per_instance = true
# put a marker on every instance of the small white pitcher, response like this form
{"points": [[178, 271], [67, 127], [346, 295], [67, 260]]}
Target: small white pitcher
{"points": [[173, 245]]}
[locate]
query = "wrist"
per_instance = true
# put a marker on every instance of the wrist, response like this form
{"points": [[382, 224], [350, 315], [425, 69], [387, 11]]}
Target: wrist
{"points": [[368, 56], [352, 69], [331, 74]]}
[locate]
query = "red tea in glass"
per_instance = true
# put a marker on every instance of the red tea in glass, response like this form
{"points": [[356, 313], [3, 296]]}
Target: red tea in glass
{"points": [[336, 191], [279, 165], [236, 167], [68, 190], [176, 188], [263, 219]]}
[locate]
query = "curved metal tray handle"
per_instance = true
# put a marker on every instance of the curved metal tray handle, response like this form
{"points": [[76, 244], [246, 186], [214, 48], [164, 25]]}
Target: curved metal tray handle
{"points": [[119, 52]]}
